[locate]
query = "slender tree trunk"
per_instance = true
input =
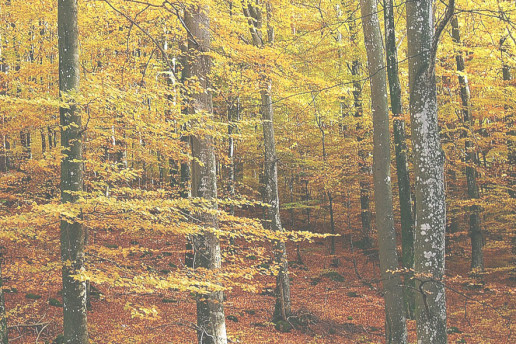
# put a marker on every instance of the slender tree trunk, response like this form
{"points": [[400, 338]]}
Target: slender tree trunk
{"points": [[72, 234], [43, 142], [4, 339], [307, 200], [50, 138], [210, 312], [429, 158], [475, 231], [395, 331], [511, 149], [365, 170], [299, 259], [320, 124], [233, 116], [282, 308], [25, 139], [407, 220], [185, 173]]}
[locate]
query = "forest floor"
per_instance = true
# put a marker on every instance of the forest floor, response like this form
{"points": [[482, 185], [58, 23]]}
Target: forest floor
{"points": [[334, 303]]}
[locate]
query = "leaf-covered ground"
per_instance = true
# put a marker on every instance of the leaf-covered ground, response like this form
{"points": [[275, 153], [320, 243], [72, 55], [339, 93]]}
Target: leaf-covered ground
{"points": [[332, 304]]}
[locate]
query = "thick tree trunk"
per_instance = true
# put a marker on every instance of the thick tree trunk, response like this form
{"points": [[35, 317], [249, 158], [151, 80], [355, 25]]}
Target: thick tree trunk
{"points": [[407, 220], [395, 331], [72, 234], [475, 230], [210, 312], [429, 172]]}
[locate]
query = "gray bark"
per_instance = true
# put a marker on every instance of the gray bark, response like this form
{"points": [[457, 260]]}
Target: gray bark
{"points": [[395, 331], [282, 308], [320, 124], [429, 158], [4, 338], [511, 149], [233, 116], [407, 220], [475, 230], [210, 312], [365, 170], [72, 234]]}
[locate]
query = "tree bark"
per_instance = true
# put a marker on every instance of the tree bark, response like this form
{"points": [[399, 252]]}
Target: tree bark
{"points": [[395, 331], [365, 170], [210, 311], [4, 338], [429, 172], [511, 149], [282, 308], [407, 220], [475, 230], [320, 124], [72, 234], [233, 116]]}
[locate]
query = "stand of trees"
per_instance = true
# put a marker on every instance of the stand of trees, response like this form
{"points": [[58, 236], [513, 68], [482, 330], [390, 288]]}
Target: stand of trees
{"points": [[233, 128]]}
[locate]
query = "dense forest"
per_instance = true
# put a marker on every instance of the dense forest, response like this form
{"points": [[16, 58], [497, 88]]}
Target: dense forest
{"points": [[257, 171]]}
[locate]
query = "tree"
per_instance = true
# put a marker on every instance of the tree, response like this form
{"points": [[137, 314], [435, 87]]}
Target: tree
{"points": [[72, 232], [395, 327], [400, 147], [282, 308], [429, 171], [365, 168], [4, 332], [475, 230], [211, 325]]}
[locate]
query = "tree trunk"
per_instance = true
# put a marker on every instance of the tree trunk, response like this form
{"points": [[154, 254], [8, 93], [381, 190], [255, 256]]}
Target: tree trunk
{"points": [[395, 327], [43, 142], [407, 220], [511, 149], [364, 168], [475, 231], [4, 339], [233, 116], [282, 308], [429, 172], [210, 311], [25, 139], [72, 234]]}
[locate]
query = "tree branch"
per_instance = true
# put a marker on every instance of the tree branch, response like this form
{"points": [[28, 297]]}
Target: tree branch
{"points": [[439, 30], [156, 43]]}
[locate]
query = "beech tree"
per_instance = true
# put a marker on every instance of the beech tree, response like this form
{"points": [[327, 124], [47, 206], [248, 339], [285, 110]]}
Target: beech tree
{"points": [[282, 308], [475, 230], [400, 149], [161, 88], [4, 335], [73, 234], [395, 327], [211, 325], [429, 158]]}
